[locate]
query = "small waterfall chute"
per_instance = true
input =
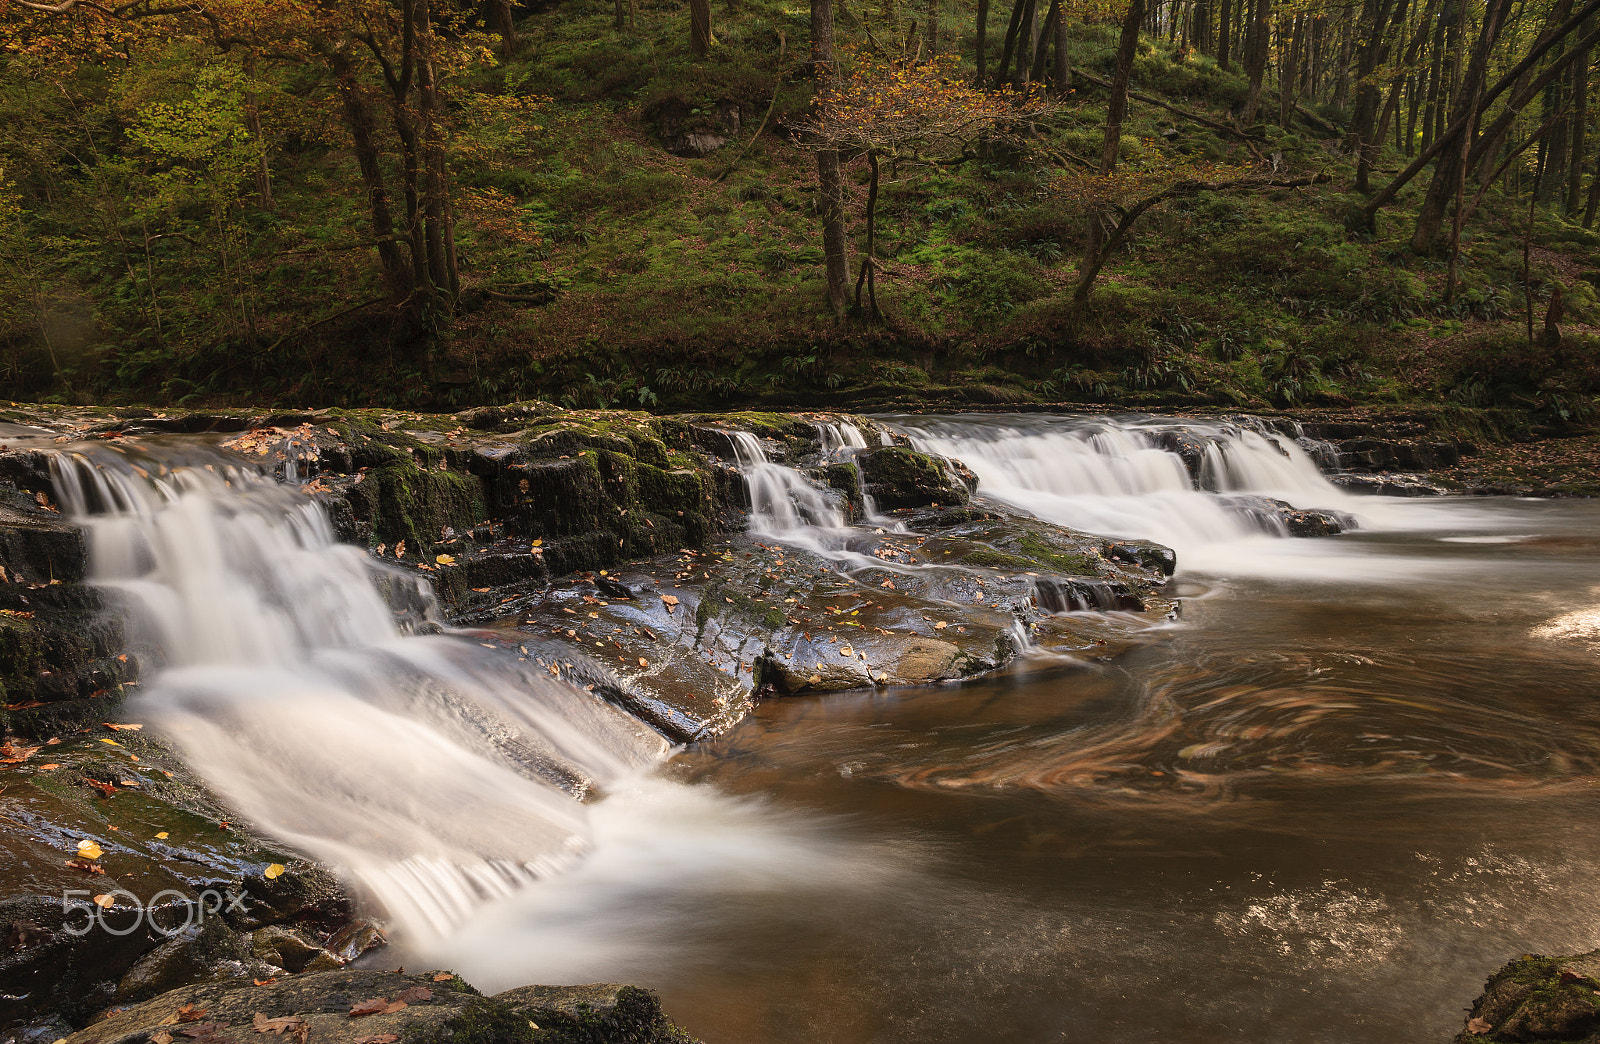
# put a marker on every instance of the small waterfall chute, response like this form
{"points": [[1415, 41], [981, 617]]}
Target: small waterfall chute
{"points": [[438, 774]]}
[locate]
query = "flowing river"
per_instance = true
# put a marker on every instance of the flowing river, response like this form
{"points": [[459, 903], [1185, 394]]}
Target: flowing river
{"points": [[1358, 774]]}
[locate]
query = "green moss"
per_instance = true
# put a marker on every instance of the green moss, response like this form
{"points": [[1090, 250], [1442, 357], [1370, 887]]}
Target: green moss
{"points": [[636, 1019]]}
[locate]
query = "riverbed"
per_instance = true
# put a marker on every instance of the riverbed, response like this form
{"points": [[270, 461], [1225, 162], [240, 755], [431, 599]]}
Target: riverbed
{"points": [[1357, 776]]}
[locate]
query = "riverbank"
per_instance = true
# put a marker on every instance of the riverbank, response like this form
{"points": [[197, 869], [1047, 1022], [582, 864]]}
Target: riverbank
{"points": [[612, 549]]}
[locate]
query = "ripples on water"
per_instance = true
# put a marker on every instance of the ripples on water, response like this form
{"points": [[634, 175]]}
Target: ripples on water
{"points": [[1359, 774]]}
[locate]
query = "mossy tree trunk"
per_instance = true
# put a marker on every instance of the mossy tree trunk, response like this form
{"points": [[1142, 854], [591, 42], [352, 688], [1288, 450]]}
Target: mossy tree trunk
{"points": [[830, 175], [699, 28]]}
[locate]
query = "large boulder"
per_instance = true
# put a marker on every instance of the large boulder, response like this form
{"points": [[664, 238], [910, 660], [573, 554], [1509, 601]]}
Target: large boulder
{"points": [[384, 1007], [902, 478]]}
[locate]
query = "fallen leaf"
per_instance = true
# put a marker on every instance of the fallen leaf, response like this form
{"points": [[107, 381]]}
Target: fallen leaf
{"points": [[377, 1006], [265, 982], [643, 662], [941, 625], [381, 1038], [89, 850], [287, 1024], [273, 871], [1479, 1026], [163, 834], [443, 977], [113, 726], [47, 768], [161, 1037], [105, 902], [670, 600], [12, 754], [414, 994], [445, 559], [190, 1013], [106, 739]]}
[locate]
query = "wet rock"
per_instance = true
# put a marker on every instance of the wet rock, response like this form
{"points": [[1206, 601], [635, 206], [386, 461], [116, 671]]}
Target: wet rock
{"points": [[285, 947], [176, 869], [902, 478], [42, 1031], [1187, 446], [1538, 998], [1277, 516], [597, 1012], [430, 1008], [355, 939], [186, 956], [1392, 485], [303, 891]]}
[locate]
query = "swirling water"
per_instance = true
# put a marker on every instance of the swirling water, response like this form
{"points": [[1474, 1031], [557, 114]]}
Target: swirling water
{"points": [[1358, 774]]}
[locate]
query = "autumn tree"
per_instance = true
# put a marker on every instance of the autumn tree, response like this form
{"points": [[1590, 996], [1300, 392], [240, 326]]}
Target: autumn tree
{"points": [[910, 112]]}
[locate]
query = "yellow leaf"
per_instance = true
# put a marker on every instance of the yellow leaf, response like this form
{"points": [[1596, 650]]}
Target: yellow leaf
{"points": [[104, 901], [89, 850], [446, 560], [273, 871], [113, 742], [162, 834]]}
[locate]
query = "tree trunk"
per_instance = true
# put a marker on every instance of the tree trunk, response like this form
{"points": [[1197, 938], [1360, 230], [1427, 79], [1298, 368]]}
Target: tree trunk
{"points": [[358, 120], [1446, 175], [1224, 34], [1578, 91], [1063, 80], [983, 41], [1024, 45], [1116, 110], [830, 176], [1257, 41], [1047, 34], [1117, 105], [869, 261], [1592, 204], [1287, 73], [500, 14], [1341, 82], [931, 17], [1200, 27], [699, 28], [1011, 41], [436, 204]]}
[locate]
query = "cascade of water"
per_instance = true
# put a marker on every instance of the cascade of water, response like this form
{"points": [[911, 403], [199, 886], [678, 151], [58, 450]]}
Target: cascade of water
{"points": [[784, 504], [287, 684], [1202, 487], [840, 439]]}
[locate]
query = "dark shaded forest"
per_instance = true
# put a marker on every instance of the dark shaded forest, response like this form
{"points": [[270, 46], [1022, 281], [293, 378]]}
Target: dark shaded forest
{"points": [[647, 204]]}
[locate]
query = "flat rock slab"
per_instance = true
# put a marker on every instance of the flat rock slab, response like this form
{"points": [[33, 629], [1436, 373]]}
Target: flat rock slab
{"points": [[385, 1007]]}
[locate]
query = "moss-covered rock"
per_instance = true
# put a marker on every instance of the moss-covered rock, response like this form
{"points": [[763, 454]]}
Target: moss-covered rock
{"points": [[1539, 998], [426, 1008], [902, 478]]}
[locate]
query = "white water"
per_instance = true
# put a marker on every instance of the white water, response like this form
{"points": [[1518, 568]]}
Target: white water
{"points": [[444, 777], [436, 773], [1114, 477]]}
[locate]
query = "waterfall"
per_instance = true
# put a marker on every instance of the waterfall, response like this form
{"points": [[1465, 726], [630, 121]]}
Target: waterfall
{"points": [[435, 772], [1211, 490]]}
